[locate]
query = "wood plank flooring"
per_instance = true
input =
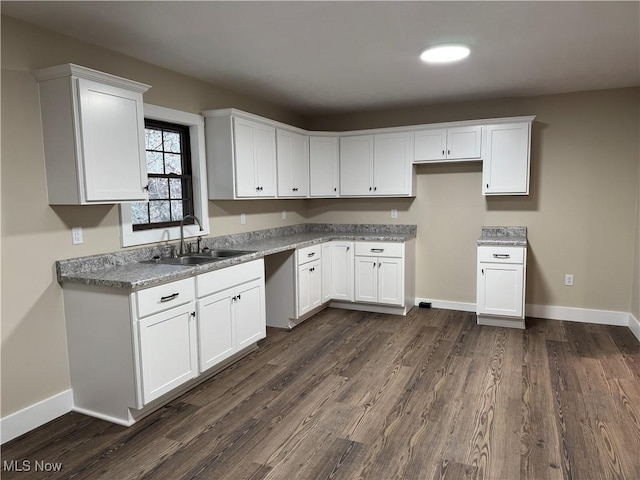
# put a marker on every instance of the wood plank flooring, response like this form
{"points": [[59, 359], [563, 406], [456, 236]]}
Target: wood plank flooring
{"points": [[353, 395]]}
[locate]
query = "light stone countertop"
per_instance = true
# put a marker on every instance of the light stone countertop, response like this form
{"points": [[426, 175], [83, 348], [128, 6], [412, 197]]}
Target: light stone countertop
{"points": [[123, 269], [504, 236]]}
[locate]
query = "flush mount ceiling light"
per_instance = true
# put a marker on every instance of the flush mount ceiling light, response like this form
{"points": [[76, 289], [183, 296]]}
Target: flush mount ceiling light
{"points": [[445, 53]]}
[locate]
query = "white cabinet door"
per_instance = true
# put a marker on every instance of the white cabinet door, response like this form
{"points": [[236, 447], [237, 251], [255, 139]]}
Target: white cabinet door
{"points": [[342, 270], [112, 126], [327, 271], [505, 170], [390, 281], [250, 320], [215, 328], [356, 165], [324, 166], [293, 164], [265, 155], [255, 159], [464, 142], [167, 350], [366, 279], [430, 145], [500, 289], [392, 163], [309, 286], [245, 163], [444, 144]]}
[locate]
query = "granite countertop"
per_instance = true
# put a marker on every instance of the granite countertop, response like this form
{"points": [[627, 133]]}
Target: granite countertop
{"points": [[505, 236], [124, 270]]}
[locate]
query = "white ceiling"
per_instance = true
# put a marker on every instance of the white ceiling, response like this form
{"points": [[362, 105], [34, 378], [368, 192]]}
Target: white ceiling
{"points": [[324, 57]]}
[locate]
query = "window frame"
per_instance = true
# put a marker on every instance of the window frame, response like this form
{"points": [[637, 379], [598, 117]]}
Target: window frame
{"points": [[195, 123]]}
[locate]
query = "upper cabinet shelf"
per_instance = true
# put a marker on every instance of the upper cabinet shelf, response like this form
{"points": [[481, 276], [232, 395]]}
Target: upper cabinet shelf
{"points": [[93, 129], [253, 157]]}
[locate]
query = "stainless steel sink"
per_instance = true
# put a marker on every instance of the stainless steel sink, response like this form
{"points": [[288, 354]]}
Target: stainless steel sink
{"points": [[220, 254], [200, 258]]}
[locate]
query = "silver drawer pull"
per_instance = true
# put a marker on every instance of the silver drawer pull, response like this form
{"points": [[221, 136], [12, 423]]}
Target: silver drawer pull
{"points": [[501, 255], [377, 250], [311, 254], [168, 298]]}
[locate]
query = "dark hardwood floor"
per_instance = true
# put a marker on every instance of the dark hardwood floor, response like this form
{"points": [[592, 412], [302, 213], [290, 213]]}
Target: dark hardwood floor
{"points": [[353, 395]]}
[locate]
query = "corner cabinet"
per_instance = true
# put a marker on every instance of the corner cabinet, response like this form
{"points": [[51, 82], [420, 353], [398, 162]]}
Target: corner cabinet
{"points": [[241, 156], [501, 286], [93, 132], [505, 170], [324, 166]]}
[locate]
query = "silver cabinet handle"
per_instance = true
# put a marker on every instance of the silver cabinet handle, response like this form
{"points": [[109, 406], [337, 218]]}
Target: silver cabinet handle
{"points": [[377, 250], [168, 298], [501, 255]]}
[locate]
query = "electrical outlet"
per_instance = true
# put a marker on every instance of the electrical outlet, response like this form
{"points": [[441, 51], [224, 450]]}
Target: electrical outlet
{"points": [[394, 213], [243, 219], [568, 280], [284, 214], [76, 236]]}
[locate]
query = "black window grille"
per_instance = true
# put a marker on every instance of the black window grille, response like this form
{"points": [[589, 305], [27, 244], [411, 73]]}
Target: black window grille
{"points": [[168, 155]]}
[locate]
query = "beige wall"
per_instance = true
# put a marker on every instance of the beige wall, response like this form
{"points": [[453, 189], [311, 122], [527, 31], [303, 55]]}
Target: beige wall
{"points": [[635, 292], [35, 235], [581, 213]]}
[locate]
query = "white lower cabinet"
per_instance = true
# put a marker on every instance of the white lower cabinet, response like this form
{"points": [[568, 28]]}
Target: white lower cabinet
{"points": [[501, 286], [231, 311], [308, 279], [129, 350], [309, 287], [379, 273], [168, 350], [342, 264]]}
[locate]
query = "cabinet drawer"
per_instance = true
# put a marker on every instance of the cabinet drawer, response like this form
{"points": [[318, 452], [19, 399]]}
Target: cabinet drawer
{"points": [[219, 280], [379, 249], [307, 254], [501, 254], [163, 297]]}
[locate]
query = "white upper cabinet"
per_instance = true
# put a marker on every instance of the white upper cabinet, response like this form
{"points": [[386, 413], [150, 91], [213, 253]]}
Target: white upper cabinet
{"points": [[241, 156], [292, 164], [448, 144], [392, 167], [356, 165], [255, 167], [376, 165], [93, 129], [505, 170], [324, 166]]}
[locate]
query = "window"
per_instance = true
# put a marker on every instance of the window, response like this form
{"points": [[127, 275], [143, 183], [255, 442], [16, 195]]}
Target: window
{"points": [[177, 179], [169, 169]]}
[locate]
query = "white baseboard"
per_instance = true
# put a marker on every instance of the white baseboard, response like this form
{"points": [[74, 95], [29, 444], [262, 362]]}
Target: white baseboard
{"points": [[447, 305], [35, 415], [572, 314], [634, 326], [550, 312]]}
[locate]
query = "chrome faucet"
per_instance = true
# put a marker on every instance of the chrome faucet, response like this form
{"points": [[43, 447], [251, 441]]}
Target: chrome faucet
{"points": [[182, 230]]}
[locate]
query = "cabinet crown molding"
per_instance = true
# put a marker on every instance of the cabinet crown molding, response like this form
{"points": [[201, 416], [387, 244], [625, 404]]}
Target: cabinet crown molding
{"points": [[72, 70]]}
